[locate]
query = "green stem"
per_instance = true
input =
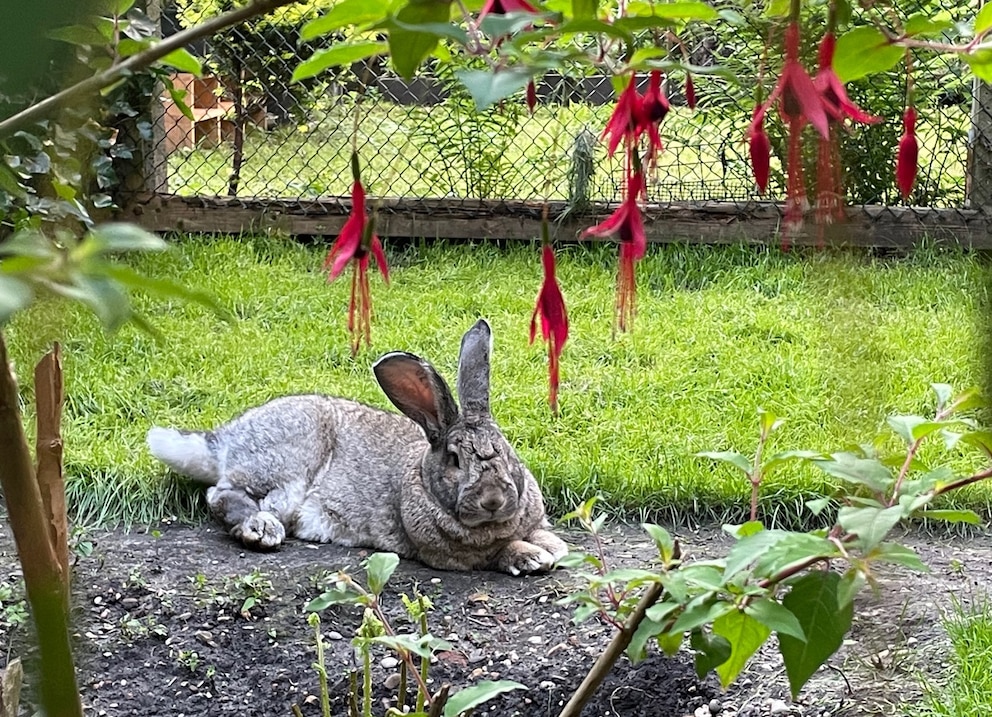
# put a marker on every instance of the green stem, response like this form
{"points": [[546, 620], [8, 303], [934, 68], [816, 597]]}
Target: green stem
{"points": [[366, 680]]}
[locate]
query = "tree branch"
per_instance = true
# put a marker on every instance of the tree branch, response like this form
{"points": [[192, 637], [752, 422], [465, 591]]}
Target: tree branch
{"points": [[136, 62]]}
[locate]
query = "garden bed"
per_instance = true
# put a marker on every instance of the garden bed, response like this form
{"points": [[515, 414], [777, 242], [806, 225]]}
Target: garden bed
{"points": [[160, 629]]}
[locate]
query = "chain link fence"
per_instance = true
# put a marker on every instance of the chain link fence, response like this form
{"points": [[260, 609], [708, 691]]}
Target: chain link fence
{"points": [[256, 135]]}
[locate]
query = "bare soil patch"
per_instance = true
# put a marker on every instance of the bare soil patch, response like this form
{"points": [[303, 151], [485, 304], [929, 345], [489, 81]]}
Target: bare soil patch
{"points": [[161, 628]]}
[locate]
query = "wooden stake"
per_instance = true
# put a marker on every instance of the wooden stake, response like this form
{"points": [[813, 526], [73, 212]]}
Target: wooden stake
{"points": [[49, 399]]}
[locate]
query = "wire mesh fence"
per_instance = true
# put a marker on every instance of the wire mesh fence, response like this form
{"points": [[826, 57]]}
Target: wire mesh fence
{"points": [[257, 135]]}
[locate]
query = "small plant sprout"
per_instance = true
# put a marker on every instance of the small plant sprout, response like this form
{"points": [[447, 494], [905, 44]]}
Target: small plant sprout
{"points": [[376, 630], [775, 581]]}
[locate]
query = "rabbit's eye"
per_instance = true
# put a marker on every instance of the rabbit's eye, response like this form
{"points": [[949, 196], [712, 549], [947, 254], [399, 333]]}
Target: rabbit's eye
{"points": [[453, 460]]}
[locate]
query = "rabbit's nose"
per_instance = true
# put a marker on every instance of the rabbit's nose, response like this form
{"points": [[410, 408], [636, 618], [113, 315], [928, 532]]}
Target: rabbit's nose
{"points": [[492, 502]]}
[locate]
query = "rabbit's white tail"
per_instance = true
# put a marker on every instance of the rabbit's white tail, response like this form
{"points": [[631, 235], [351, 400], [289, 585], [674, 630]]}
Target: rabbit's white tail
{"points": [[184, 452]]}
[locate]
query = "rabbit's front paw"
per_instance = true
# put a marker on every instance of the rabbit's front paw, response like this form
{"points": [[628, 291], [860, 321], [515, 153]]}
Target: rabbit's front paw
{"points": [[521, 558], [261, 530]]}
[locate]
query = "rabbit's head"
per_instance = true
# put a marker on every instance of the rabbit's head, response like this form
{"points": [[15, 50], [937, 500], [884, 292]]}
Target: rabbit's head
{"points": [[470, 468]]}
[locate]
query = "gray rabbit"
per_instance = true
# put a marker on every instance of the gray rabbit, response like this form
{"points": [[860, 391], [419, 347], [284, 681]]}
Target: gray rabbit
{"points": [[439, 484]]}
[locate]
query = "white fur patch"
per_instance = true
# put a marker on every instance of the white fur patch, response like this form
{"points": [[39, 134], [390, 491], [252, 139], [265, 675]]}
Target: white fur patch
{"points": [[186, 453]]}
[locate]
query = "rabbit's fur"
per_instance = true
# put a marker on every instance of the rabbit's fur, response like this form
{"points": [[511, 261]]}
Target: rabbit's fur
{"points": [[440, 485]]}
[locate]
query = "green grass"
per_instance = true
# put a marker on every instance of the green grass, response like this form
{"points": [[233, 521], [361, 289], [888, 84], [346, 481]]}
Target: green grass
{"points": [[833, 342], [968, 686]]}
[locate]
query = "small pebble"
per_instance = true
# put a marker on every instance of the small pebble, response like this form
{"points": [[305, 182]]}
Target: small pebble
{"points": [[334, 635], [701, 711], [535, 640], [393, 681], [389, 662], [715, 706], [778, 707]]}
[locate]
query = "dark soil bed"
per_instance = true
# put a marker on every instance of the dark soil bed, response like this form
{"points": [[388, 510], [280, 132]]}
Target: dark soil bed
{"points": [[161, 627]]}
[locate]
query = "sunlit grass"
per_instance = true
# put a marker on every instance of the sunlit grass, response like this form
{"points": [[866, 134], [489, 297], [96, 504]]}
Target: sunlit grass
{"points": [[833, 342], [965, 687]]}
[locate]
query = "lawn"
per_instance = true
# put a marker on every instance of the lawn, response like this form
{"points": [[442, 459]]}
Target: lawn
{"points": [[833, 342]]}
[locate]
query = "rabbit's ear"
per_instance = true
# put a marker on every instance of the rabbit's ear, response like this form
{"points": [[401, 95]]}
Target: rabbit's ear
{"points": [[473, 369], [418, 391]]}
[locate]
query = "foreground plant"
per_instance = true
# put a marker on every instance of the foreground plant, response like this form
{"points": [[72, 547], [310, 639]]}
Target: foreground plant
{"points": [[799, 586], [376, 630]]}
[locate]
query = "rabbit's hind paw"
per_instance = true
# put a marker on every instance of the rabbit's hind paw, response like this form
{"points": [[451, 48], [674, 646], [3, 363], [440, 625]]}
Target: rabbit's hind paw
{"points": [[261, 530]]}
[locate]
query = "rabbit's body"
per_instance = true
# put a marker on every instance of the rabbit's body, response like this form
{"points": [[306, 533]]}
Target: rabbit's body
{"points": [[445, 488]]}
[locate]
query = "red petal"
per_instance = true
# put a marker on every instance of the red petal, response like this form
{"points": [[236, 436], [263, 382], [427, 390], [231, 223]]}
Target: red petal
{"points": [[690, 92], [380, 258], [760, 150]]}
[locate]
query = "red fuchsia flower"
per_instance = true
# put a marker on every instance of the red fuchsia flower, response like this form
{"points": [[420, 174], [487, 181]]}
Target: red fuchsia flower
{"points": [[760, 149], [554, 321], [531, 96], [626, 222], [690, 92], [504, 7], [908, 156], [799, 104], [636, 114], [354, 245], [839, 107]]}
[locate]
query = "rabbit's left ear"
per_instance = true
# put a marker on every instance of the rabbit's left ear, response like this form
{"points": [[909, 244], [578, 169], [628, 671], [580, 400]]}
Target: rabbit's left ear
{"points": [[473, 369], [418, 390]]}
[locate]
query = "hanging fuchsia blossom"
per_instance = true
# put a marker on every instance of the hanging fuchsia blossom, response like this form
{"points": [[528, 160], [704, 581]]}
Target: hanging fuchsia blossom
{"points": [[531, 97], [840, 109], [554, 321], [626, 222], [636, 115], [760, 149], [354, 245], [690, 92], [799, 103], [908, 156]]}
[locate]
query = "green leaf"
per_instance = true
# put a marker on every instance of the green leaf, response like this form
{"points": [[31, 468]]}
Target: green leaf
{"points": [[699, 615], [183, 61], [335, 56], [101, 295], [379, 568], [953, 516], [813, 600], [178, 96], [777, 459], [337, 596], [673, 10], [850, 585], [78, 35], [343, 14], [663, 540], [161, 288], [471, 697], [913, 428], [28, 243], [670, 642], [408, 48], [863, 51], [972, 398], [15, 295], [488, 88], [922, 25], [898, 554], [584, 8], [870, 524], [646, 630], [777, 8], [711, 651], [983, 20], [732, 457], [745, 635], [9, 182], [497, 25], [869, 472], [944, 391], [775, 617], [818, 505], [117, 238], [420, 645]]}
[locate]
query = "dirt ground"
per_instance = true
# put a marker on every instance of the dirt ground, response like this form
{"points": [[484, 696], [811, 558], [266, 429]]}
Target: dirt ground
{"points": [[162, 627]]}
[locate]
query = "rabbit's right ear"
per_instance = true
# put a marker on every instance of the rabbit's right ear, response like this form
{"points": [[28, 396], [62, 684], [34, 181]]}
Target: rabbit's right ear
{"points": [[418, 391]]}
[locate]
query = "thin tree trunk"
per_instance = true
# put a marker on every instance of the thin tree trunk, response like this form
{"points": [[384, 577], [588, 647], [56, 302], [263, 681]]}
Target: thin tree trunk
{"points": [[51, 481], [39, 563]]}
